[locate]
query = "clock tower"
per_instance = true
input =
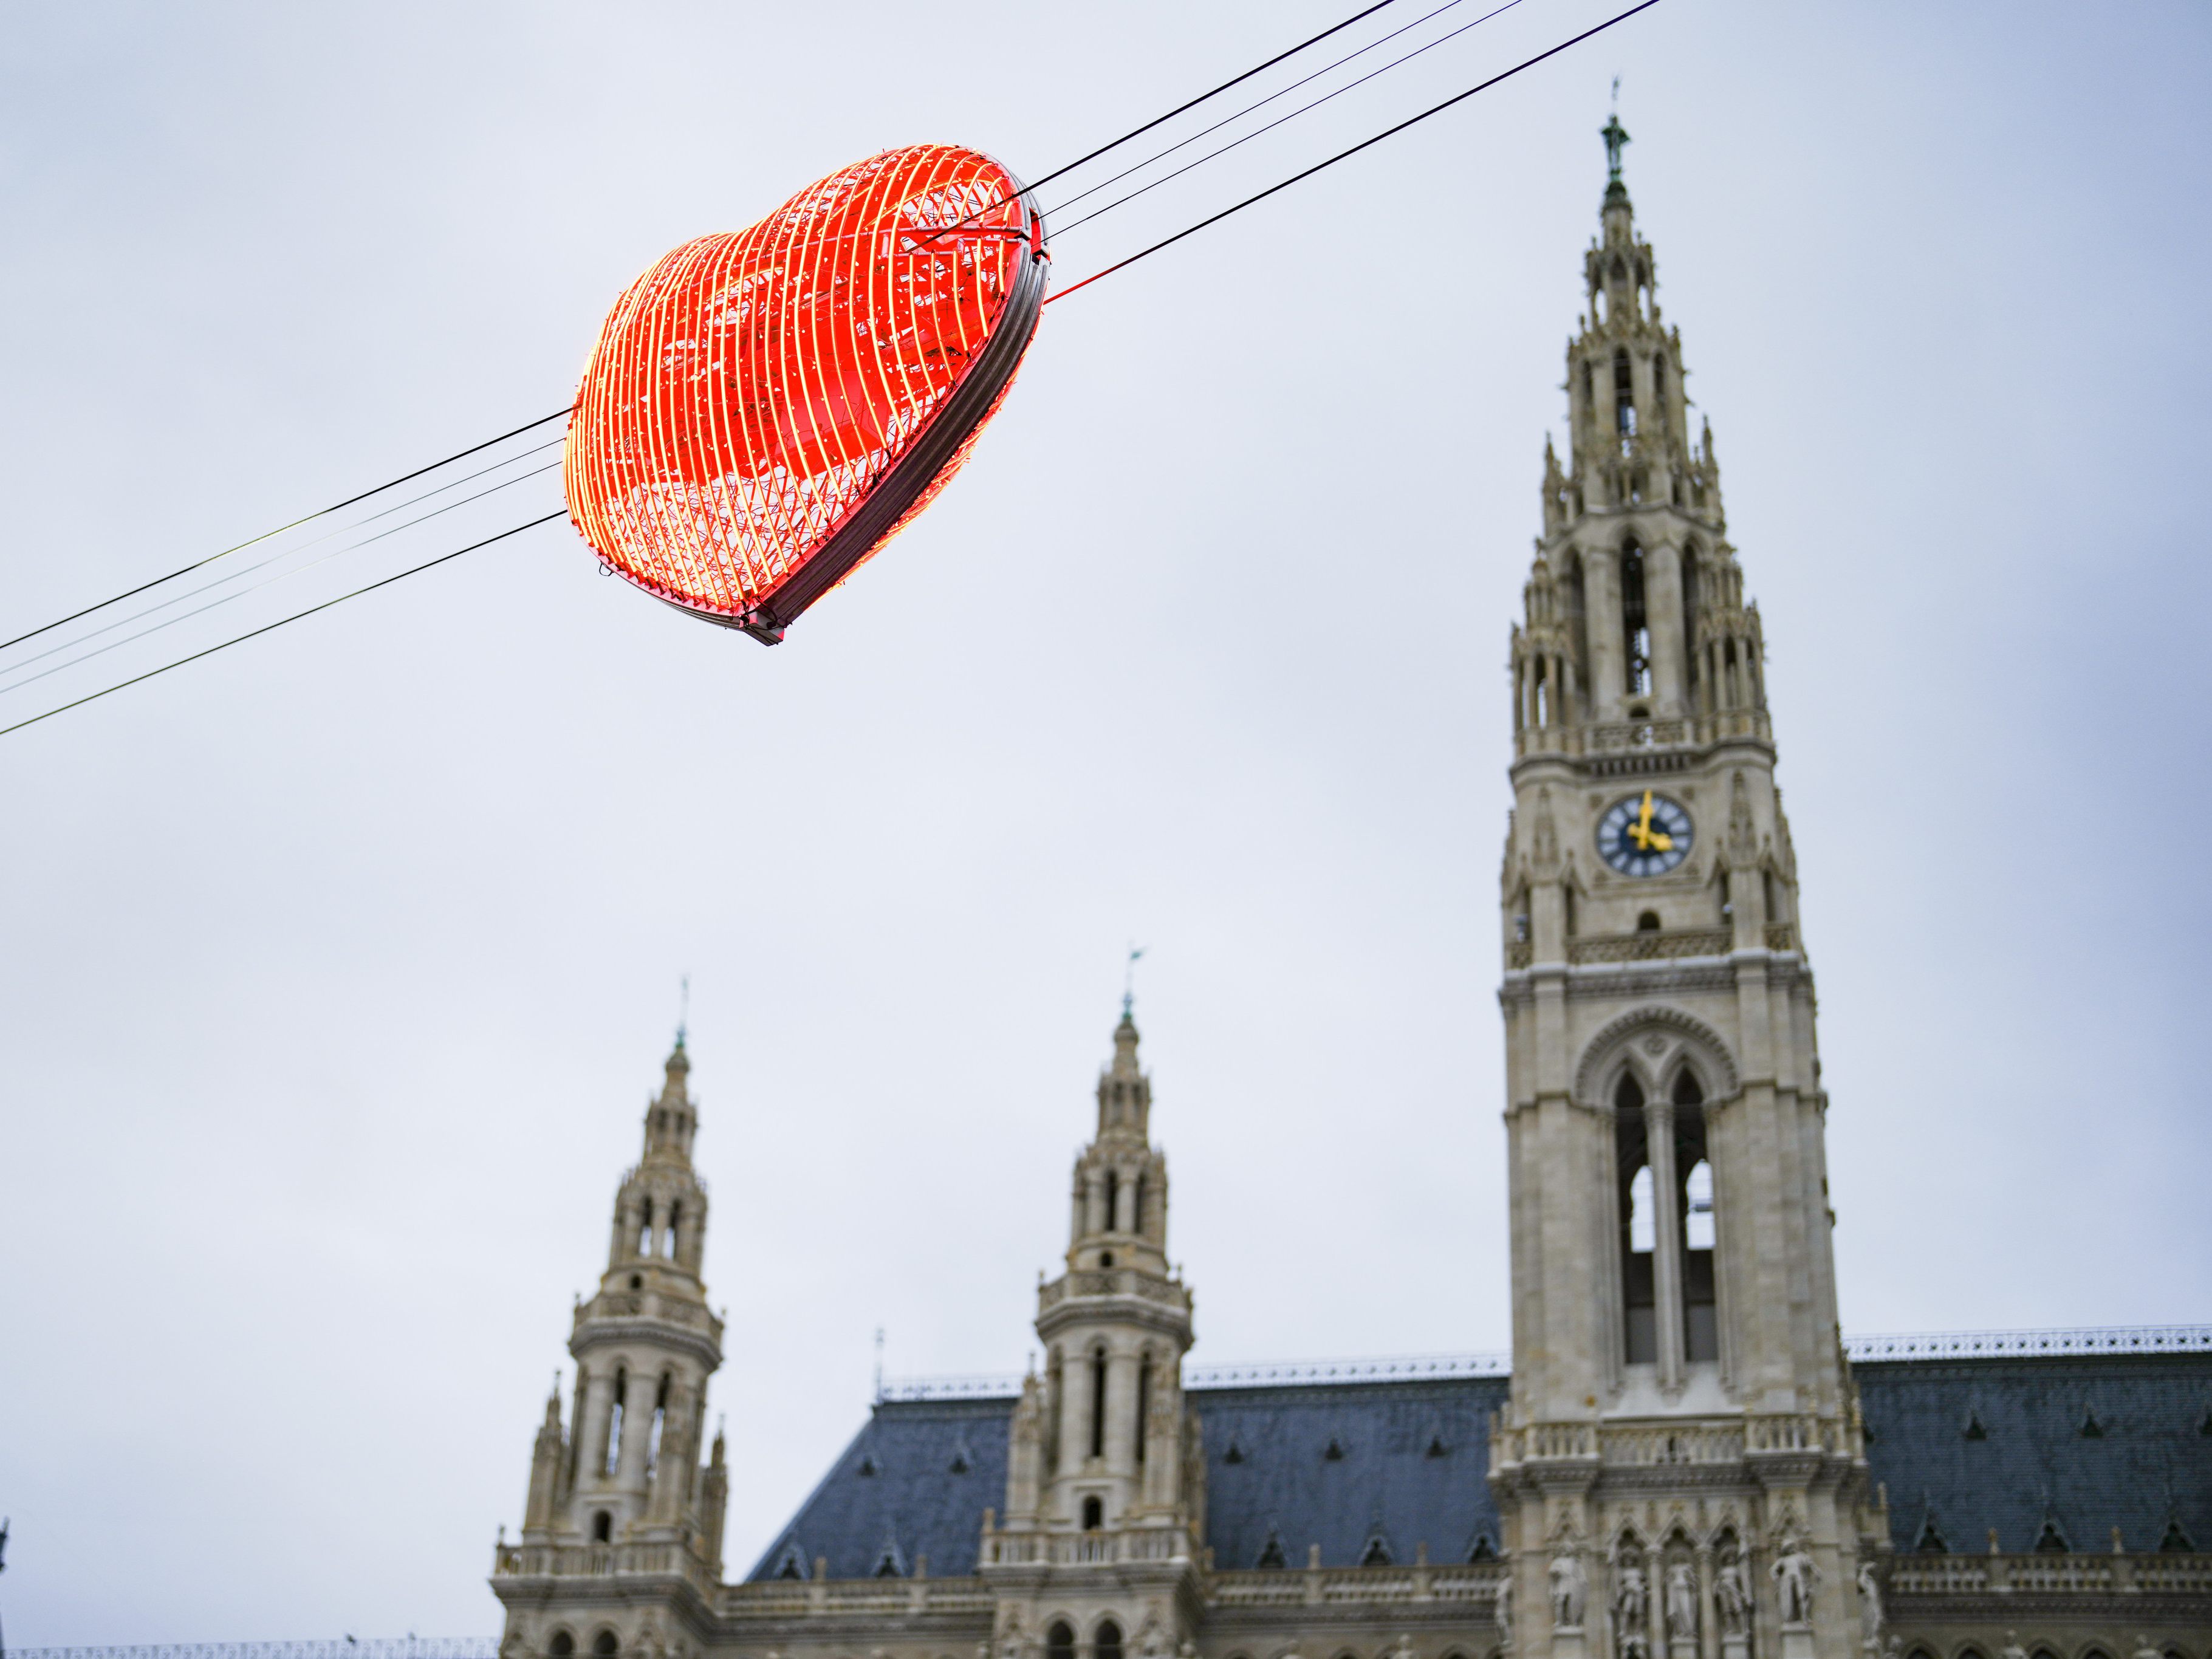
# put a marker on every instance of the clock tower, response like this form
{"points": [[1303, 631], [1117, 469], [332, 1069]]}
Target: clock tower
{"points": [[1680, 1468]]}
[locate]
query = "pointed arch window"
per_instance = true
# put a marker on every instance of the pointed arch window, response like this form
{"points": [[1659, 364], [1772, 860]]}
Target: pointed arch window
{"points": [[659, 1424], [675, 1218], [1635, 623], [1271, 1552], [1060, 1640], [614, 1420], [1137, 1206], [1377, 1553], [1108, 1643], [1144, 1403], [645, 1226], [1693, 1203], [1638, 1225], [1113, 1200], [1624, 398], [1098, 1403]]}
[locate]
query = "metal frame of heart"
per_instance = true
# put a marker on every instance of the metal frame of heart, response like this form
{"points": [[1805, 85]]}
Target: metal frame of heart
{"points": [[765, 410]]}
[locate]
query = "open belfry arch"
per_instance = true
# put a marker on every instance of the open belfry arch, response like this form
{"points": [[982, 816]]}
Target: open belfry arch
{"points": [[1682, 1463]]}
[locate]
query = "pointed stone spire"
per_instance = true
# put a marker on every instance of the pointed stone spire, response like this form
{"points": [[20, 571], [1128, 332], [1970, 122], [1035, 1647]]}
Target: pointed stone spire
{"points": [[1100, 1438]]}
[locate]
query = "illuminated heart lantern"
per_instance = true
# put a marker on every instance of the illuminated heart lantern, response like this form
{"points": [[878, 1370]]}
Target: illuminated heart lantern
{"points": [[765, 410]]}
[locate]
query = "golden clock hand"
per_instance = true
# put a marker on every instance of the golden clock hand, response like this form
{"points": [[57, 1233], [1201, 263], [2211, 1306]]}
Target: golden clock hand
{"points": [[1659, 842], [1640, 831]]}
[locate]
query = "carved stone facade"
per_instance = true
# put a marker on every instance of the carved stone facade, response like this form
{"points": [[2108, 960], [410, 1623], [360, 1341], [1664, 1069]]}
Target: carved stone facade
{"points": [[1680, 1468]]}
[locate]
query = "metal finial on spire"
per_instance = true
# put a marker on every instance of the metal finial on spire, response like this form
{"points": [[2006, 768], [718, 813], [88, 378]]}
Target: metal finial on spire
{"points": [[879, 1364], [684, 1012], [1129, 980], [1615, 135]]}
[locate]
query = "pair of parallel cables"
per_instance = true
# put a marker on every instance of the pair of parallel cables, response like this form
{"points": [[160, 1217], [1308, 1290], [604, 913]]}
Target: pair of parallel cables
{"points": [[11, 680]]}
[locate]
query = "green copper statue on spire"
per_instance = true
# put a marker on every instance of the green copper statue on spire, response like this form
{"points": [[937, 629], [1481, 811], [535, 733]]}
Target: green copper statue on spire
{"points": [[1615, 135]]}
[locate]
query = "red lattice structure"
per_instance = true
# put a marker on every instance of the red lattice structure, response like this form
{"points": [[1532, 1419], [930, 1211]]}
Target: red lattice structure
{"points": [[765, 410]]}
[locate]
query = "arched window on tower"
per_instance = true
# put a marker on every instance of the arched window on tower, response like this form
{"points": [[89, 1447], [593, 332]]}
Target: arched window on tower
{"points": [[1639, 1226], [1624, 398], [1143, 1401], [675, 1216], [1658, 385], [1109, 1643], [1543, 689], [645, 1226], [614, 1420], [1098, 1403], [660, 1423], [1113, 1199], [1636, 626], [1136, 1207], [1694, 1204], [1060, 1641]]}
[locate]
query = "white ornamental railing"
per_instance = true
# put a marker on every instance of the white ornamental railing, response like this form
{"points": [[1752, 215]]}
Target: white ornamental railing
{"points": [[1421, 1368]]}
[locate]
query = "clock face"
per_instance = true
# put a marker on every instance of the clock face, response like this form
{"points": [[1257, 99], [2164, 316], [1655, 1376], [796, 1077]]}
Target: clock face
{"points": [[1645, 834]]}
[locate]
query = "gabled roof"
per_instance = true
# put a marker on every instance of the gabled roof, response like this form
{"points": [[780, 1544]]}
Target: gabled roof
{"points": [[2088, 1444], [896, 1484], [1404, 1463]]}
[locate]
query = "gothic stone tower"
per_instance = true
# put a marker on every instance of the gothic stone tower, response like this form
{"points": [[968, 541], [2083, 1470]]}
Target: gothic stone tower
{"points": [[1681, 1468], [1105, 1485], [624, 1482]]}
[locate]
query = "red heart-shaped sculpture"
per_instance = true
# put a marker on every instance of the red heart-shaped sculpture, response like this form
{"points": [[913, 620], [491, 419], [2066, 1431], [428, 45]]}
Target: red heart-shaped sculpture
{"points": [[763, 410]]}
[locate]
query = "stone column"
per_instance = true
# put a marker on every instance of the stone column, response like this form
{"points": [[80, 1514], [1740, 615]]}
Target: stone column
{"points": [[1667, 1241], [637, 1432], [1602, 619], [1709, 1645], [1075, 1409], [1662, 614], [592, 1431], [1121, 1413]]}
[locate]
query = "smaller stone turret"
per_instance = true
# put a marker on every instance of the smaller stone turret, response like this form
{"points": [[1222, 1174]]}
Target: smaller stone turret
{"points": [[644, 1346]]}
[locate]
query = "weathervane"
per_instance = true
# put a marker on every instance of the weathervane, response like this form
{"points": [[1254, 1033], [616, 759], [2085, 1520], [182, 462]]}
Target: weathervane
{"points": [[1129, 980], [684, 1012]]}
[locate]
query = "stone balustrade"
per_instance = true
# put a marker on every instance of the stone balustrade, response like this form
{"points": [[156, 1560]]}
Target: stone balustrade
{"points": [[1115, 1281], [1664, 1446], [2080, 1575], [648, 1305], [1086, 1548], [662, 1560], [1282, 1587], [1658, 945], [1628, 737]]}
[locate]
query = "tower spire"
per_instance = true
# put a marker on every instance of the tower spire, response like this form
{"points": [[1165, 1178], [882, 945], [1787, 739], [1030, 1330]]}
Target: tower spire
{"points": [[1100, 1441], [644, 1347]]}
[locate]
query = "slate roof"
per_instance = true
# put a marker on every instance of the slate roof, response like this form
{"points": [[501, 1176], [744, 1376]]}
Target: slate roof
{"points": [[897, 1486], [1410, 1468], [1269, 1471], [2149, 1460]]}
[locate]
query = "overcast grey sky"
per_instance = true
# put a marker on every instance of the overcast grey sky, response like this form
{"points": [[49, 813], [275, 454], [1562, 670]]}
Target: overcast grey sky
{"points": [[336, 968]]}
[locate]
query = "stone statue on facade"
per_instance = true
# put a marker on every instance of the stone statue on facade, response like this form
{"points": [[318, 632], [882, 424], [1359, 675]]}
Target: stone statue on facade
{"points": [[2012, 1649], [1569, 1590], [1871, 1617], [1630, 1599], [1794, 1574], [1682, 1602], [1501, 1611], [1732, 1593]]}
